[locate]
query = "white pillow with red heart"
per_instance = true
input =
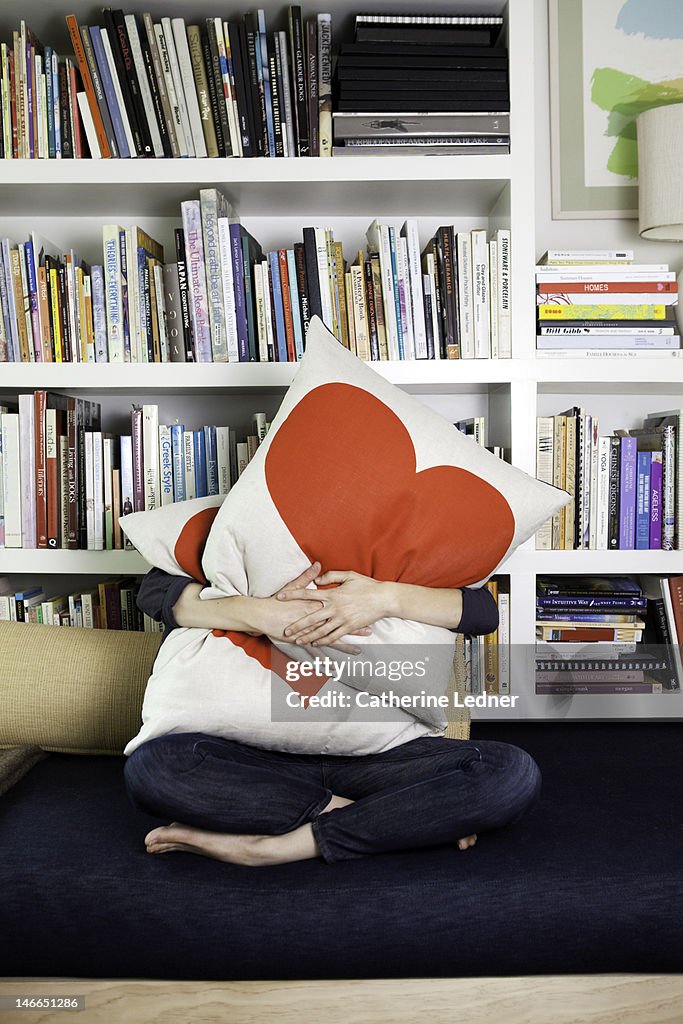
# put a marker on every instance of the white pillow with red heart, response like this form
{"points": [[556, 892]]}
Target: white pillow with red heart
{"points": [[358, 475]]}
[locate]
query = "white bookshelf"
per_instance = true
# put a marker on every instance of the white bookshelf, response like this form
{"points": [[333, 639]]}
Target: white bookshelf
{"points": [[69, 201]]}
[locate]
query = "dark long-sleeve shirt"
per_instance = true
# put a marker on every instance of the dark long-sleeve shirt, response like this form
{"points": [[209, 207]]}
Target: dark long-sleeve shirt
{"points": [[159, 592]]}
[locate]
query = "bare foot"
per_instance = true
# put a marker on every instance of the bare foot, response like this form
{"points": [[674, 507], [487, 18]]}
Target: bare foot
{"points": [[225, 846], [467, 841]]}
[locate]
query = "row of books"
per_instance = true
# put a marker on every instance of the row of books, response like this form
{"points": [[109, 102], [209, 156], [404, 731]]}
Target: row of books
{"points": [[110, 604], [608, 634], [64, 482], [626, 488], [225, 299], [143, 88], [483, 662], [422, 84], [599, 302]]}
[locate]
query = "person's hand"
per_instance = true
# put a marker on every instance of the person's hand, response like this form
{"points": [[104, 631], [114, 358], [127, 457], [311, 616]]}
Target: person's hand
{"points": [[350, 607], [279, 619]]}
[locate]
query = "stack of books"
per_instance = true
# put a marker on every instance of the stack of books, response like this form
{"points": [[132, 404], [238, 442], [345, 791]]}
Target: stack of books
{"points": [[626, 487], [142, 88], [64, 482], [224, 299], [422, 84], [600, 303], [111, 604], [588, 633]]}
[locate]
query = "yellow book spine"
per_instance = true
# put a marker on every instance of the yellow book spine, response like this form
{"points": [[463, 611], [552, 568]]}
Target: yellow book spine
{"points": [[56, 322], [602, 311]]}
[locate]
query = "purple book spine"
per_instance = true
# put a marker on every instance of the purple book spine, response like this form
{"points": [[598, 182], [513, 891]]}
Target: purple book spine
{"points": [[196, 273], [643, 506], [656, 504], [240, 301], [109, 93], [627, 493]]}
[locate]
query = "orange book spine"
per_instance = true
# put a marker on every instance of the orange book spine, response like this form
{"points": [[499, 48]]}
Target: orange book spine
{"points": [[77, 42], [287, 304]]}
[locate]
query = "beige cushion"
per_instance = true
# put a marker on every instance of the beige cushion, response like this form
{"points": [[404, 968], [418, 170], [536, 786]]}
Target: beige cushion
{"points": [[79, 691], [76, 691]]}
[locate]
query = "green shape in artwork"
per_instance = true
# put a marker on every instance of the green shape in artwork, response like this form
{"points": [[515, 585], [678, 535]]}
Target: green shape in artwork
{"points": [[625, 96]]}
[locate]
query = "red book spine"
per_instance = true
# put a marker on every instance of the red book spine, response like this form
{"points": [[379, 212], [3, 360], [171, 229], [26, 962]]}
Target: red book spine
{"points": [[599, 287], [138, 462], [676, 590], [40, 402], [287, 303]]}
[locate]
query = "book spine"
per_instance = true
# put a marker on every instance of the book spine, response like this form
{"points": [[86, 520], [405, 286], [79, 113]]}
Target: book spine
{"points": [[185, 67], [286, 304], [112, 278], [613, 514], [228, 290], [642, 539], [570, 688], [183, 289], [299, 80], [410, 233], [199, 445], [312, 85], [292, 275], [201, 330], [544, 472], [72, 407], [135, 54], [312, 277], [325, 84], [239, 287], [214, 280], [278, 307], [98, 491], [187, 148], [188, 459], [406, 304], [109, 91], [177, 129], [480, 278], [177, 461], [214, 81], [656, 501], [241, 84], [151, 457], [27, 435], [138, 460], [287, 102], [85, 61], [268, 310], [155, 83], [165, 445], [276, 100], [211, 459], [668, 487], [194, 42], [223, 459]]}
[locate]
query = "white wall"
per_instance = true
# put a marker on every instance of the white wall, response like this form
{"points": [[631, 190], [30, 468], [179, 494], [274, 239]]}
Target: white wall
{"points": [[578, 234]]}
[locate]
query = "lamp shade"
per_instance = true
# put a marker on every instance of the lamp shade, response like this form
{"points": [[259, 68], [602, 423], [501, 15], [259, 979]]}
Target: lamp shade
{"points": [[660, 173]]}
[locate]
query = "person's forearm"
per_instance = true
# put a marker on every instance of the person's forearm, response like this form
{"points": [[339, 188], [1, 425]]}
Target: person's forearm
{"points": [[425, 604], [238, 613]]}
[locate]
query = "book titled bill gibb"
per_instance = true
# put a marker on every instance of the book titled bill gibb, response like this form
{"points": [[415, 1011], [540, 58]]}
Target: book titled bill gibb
{"points": [[199, 305]]}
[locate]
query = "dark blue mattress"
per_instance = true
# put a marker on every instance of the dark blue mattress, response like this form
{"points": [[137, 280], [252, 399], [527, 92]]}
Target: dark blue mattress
{"points": [[591, 880]]}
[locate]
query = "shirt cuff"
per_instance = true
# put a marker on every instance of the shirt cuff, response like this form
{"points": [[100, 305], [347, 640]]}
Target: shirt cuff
{"points": [[175, 589]]}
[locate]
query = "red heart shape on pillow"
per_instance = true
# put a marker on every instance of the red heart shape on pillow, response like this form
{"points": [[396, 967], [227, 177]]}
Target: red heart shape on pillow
{"points": [[341, 472]]}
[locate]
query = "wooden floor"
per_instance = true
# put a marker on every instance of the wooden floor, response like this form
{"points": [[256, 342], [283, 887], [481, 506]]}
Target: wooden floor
{"points": [[562, 999]]}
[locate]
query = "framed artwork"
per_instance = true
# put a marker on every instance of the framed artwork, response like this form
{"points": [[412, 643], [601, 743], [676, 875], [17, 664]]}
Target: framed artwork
{"points": [[609, 60]]}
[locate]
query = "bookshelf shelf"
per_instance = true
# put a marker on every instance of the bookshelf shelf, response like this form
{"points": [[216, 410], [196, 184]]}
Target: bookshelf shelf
{"points": [[366, 186], [70, 200]]}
